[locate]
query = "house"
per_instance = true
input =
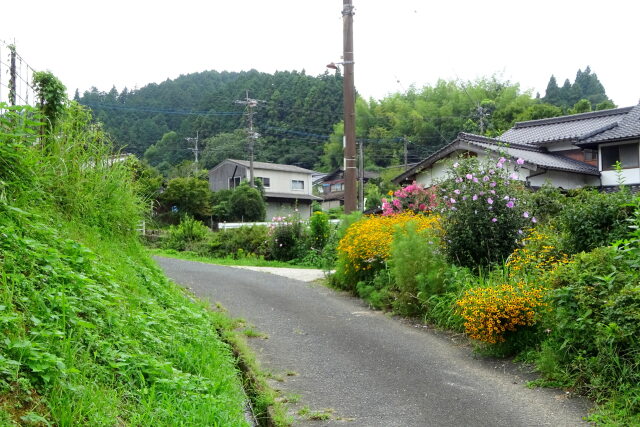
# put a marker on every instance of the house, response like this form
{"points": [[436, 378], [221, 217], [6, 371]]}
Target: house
{"points": [[568, 151], [287, 188], [331, 187]]}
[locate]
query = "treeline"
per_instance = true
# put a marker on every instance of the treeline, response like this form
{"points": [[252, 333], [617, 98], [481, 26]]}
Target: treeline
{"points": [[290, 104], [298, 118]]}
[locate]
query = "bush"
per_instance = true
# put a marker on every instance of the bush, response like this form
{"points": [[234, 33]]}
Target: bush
{"points": [[490, 312], [594, 342], [366, 246], [247, 204], [591, 219], [185, 235], [418, 268], [484, 211], [319, 230], [286, 239]]}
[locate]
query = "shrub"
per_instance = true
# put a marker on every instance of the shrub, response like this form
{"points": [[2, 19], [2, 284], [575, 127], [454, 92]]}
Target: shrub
{"points": [[538, 255], [247, 204], [366, 245], [490, 312], [418, 268], [591, 219], [190, 196], [484, 211], [286, 238], [319, 230], [183, 236], [412, 198], [595, 325]]}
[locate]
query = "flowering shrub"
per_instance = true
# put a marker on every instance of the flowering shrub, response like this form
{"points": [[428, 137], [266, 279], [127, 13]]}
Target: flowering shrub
{"points": [[484, 211], [286, 236], [366, 244], [489, 312], [537, 256], [414, 198]]}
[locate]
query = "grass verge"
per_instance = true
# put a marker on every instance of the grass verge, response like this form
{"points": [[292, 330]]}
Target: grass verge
{"points": [[248, 262]]}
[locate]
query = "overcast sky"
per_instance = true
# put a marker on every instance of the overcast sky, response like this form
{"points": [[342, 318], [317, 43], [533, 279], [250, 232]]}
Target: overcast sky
{"points": [[397, 43]]}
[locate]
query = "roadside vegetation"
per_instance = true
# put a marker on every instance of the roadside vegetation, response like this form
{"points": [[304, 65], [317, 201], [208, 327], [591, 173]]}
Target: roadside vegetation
{"points": [[92, 331], [547, 277]]}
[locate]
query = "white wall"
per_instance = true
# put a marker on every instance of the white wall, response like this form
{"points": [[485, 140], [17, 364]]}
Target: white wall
{"points": [[565, 180], [281, 181]]}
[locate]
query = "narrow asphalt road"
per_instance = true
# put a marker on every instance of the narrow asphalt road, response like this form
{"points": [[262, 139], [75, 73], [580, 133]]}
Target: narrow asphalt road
{"points": [[369, 369]]}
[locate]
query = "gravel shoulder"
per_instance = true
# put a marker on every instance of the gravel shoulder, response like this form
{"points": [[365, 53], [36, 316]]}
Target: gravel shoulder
{"points": [[366, 368]]}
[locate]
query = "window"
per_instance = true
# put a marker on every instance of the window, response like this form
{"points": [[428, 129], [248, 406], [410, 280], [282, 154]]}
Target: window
{"points": [[627, 155], [590, 155], [234, 181], [297, 184], [338, 186], [266, 182]]}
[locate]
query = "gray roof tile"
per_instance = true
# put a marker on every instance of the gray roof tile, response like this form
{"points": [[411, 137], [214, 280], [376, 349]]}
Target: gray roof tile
{"points": [[272, 166], [628, 127], [564, 128]]}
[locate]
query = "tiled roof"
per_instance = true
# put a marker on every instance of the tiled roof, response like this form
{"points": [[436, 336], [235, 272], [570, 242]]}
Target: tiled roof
{"points": [[539, 158], [531, 154], [272, 166], [565, 128], [292, 196], [628, 127]]}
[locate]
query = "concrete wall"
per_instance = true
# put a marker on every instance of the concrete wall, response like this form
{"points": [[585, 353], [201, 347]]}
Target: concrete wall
{"points": [[565, 180], [219, 178]]}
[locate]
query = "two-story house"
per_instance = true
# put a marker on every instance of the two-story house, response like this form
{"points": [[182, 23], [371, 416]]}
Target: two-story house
{"points": [[568, 151], [331, 187], [287, 188]]}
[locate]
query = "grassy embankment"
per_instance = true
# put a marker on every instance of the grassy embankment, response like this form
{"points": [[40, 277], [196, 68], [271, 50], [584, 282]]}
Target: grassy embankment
{"points": [[92, 332]]}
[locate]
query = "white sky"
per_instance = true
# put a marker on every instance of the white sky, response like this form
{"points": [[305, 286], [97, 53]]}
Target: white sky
{"points": [[396, 43]]}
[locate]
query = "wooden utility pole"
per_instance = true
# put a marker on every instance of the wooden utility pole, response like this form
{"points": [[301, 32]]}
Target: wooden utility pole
{"points": [[195, 150], [361, 178], [350, 168]]}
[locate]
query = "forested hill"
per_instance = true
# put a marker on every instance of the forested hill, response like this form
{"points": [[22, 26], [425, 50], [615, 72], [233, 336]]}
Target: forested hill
{"points": [[293, 108], [298, 117]]}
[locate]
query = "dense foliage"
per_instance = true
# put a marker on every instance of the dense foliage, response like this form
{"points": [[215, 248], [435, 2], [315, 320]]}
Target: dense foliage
{"points": [[585, 87], [93, 333], [293, 107]]}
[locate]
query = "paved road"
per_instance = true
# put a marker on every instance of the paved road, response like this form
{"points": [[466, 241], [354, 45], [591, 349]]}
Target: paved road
{"points": [[368, 368]]}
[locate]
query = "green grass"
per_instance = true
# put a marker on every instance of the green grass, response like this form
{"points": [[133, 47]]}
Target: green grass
{"points": [[245, 262], [92, 331]]}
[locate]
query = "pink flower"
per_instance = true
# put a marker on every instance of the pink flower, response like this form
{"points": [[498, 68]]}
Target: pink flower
{"points": [[494, 219], [510, 204], [525, 214], [452, 200], [396, 203], [520, 161], [456, 191], [513, 176], [534, 220], [469, 176], [475, 197], [491, 171], [422, 207], [485, 178], [456, 164], [475, 179], [490, 200], [458, 180], [492, 184]]}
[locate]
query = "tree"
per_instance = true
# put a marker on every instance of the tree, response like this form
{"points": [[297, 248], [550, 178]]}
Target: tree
{"points": [[246, 204], [552, 94], [582, 106], [189, 196], [224, 146], [52, 96], [171, 148]]}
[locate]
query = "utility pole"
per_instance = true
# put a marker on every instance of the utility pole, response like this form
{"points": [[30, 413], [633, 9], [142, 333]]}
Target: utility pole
{"points": [[349, 110], [252, 136], [361, 175], [12, 76], [195, 150], [406, 153]]}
